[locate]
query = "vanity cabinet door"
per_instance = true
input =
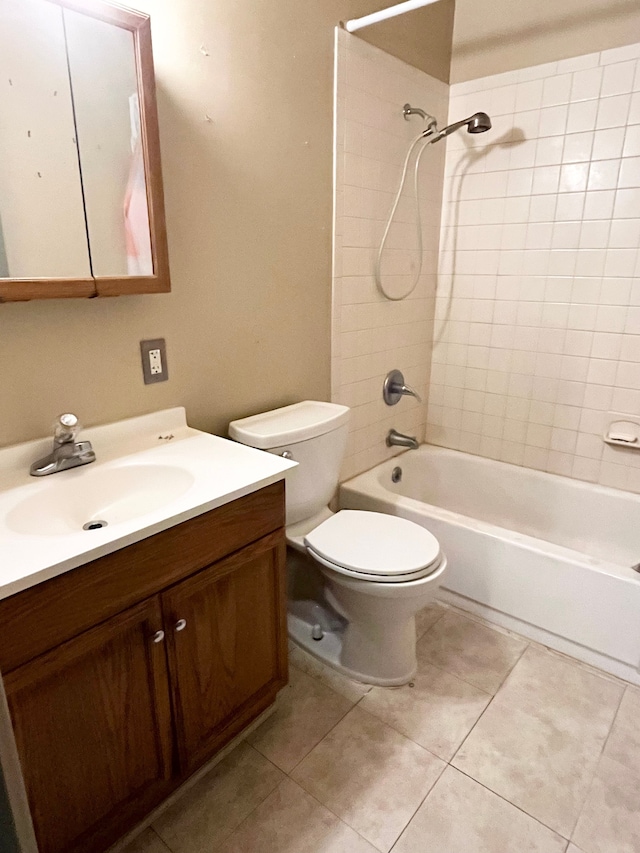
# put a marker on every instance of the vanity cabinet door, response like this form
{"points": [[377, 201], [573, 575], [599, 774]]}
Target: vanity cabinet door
{"points": [[227, 645], [93, 729]]}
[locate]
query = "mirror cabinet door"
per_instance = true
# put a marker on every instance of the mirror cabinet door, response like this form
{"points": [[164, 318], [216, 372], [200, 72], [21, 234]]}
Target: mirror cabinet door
{"points": [[81, 200], [104, 82], [42, 223]]}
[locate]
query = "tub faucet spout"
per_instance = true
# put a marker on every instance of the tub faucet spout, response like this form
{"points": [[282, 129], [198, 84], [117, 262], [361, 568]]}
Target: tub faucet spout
{"points": [[397, 439]]}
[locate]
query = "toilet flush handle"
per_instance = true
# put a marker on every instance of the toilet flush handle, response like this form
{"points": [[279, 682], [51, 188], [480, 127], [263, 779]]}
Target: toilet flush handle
{"points": [[286, 454]]}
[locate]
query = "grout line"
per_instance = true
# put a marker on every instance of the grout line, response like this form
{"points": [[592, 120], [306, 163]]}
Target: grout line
{"points": [[230, 833], [160, 839], [248, 815], [515, 806], [597, 765], [433, 625], [421, 803], [489, 704], [465, 681], [324, 736], [613, 721], [384, 723], [342, 820]]}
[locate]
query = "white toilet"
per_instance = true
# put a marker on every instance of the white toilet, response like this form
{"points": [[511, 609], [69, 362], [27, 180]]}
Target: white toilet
{"points": [[355, 579]]}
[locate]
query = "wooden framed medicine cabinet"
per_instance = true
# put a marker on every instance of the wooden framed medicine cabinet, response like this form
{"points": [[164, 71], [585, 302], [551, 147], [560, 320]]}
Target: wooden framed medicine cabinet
{"points": [[81, 195]]}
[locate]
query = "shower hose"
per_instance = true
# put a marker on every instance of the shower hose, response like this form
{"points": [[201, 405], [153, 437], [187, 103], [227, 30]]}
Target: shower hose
{"points": [[405, 169]]}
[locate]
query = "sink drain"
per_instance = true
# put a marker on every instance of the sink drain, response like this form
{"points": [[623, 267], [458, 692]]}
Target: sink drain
{"points": [[94, 525]]}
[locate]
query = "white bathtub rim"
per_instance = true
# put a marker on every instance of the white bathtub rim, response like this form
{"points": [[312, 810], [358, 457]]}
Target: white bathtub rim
{"points": [[488, 462], [368, 484]]}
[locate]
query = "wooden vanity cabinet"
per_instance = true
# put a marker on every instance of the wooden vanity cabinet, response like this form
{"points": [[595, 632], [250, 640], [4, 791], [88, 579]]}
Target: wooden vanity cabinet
{"points": [[223, 649], [92, 724], [112, 718]]}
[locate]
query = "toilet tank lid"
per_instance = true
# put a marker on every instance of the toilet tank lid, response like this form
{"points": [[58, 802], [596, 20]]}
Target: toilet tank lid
{"points": [[289, 425]]}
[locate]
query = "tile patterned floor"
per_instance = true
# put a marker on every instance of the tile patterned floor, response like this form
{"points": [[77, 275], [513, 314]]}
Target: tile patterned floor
{"points": [[498, 746]]}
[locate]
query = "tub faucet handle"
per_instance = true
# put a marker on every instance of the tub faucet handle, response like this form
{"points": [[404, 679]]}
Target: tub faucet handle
{"points": [[395, 387]]}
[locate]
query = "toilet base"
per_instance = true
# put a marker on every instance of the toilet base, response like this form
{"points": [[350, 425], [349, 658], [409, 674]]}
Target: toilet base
{"points": [[329, 650]]}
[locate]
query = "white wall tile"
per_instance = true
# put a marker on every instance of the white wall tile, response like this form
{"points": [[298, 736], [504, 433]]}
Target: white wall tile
{"points": [[371, 335], [558, 344]]}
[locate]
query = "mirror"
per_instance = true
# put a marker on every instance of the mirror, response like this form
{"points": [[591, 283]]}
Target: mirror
{"points": [[81, 207], [39, 174]]}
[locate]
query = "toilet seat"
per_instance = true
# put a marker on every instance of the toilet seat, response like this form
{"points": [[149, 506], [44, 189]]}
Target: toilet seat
{"points": [[374, 546]]}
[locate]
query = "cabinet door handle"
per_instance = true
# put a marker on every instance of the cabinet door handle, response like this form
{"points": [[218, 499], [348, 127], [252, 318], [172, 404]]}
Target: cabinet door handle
{"points": [[158, 637], [181, 624]]}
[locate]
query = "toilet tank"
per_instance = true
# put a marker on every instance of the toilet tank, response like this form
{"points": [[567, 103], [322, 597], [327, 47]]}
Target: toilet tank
{"points": [[315, 434]]}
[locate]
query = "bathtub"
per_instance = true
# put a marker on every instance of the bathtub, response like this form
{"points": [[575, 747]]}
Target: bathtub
{"points": [[543, 555]]}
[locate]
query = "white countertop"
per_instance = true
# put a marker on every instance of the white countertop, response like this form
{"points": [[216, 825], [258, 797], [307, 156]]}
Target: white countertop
{"points": [[212, 471]]}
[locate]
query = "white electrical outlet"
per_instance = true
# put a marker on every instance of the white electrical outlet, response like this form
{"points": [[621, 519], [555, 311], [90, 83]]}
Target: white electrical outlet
{"points": [[155, 361]]}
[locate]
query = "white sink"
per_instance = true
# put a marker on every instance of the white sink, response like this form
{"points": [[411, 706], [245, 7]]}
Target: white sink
{"points": [[105, 496], [151, 473]]}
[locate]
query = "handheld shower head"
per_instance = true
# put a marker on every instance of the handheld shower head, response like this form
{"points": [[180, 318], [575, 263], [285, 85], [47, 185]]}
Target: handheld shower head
{"points": [[477, 123]]}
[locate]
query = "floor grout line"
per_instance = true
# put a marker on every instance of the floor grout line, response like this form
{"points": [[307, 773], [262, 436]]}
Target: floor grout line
{"points": [[421, 803], [160, 839], [341, 819], [317, 677], [229, 834], [433, 624], [597, 765], [514, 805], [324, 736], [489, 704]]}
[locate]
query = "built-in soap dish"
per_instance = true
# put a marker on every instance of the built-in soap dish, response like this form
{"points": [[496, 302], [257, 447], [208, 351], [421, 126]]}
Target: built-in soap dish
{"points": [[623, 431]]}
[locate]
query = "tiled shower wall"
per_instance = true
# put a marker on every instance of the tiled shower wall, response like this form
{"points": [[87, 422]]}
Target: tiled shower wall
{"points": [[372, 335], [537, 324]]}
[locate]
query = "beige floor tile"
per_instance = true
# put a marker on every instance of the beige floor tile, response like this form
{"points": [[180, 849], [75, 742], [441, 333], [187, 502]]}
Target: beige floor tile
{"points": [[610, 820], [573, 849], [460, 816], [352, 690], [437, 712], [624, 741], [306, 711], [562, 693], [541, 768], [218, 803], [427, 617], [472, 651], [146, 842], [370, 776], [291, 821]]}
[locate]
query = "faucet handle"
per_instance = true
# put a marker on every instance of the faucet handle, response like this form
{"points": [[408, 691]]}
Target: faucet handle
{"points": [[394, 388], [411, 392], [66, 428]]}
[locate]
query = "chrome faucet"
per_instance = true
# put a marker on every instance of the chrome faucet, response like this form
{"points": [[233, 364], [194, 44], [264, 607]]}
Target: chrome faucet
{"points": [[67, 452], [394, 387], [397, 439]]}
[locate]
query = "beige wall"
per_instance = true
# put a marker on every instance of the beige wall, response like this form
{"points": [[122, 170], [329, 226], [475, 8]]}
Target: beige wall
{"points": [[491, 36], [422, 37], [249, 201]]}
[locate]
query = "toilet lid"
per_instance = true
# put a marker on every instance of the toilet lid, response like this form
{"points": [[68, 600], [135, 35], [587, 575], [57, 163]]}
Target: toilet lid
{"points": [[375, 544]]}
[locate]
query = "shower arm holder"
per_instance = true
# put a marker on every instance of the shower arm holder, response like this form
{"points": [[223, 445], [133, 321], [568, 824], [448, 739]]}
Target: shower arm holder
{"points": [[394, 387]]}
